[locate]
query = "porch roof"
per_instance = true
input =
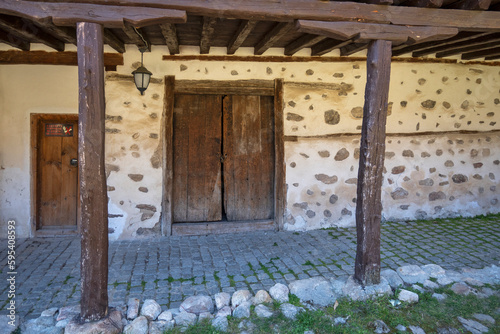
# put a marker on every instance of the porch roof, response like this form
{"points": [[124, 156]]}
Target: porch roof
{"points": [[470, 28]]}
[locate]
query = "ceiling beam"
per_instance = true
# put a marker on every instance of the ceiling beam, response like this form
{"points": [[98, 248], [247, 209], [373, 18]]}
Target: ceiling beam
{"points": [[452, 49], [352, 48], [245, 28], [492, 57], [26, 30], [489, 53], [461, 36], [169, 32], [305, 41], [279, 30], [423, 3], [467, 49], [322, 11], [470, 5], [328, 45], [64, 14], [113, 41], [65, 34], [207, 33], [14, 41], [137, 37]]}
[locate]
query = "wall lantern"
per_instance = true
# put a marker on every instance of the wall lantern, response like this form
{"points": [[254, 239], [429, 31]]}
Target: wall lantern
{"points": [[142, 76]]}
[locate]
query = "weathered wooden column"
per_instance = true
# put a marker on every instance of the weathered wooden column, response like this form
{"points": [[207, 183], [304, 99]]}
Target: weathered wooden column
{"points": [[93, 195], [371, 163]]}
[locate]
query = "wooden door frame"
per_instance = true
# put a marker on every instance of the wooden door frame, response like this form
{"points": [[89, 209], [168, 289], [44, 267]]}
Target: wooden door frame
{"points": [[243, 87], [35, 120]]}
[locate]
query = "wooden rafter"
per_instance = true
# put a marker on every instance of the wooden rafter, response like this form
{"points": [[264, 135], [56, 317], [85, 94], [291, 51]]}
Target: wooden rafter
{"points": [[25, 30], [13, 41], [470, 4], [489, 53], [328, 45], [279, 30], [169, 33], [378, 2], [467, 49], [65, 34], [424, 3], [113, 41], [485, 38], [302, 42], [136, 36], [207, 33], [244, 29], [352, 48]]}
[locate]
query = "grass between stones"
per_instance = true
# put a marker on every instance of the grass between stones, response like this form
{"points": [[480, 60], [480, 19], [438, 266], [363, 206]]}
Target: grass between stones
{"points": [[428, 313]]}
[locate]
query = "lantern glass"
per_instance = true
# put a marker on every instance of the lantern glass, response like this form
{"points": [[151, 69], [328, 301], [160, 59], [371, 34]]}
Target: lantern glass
{"points": [[141, 78]]}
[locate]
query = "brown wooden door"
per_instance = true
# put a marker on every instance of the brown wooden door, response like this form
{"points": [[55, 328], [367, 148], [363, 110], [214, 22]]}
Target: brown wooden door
{"points": [[223, 162], [249, 162], [57, 177]]}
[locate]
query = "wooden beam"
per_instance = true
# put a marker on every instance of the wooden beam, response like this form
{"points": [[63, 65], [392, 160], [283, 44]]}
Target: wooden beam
{"points": [[111, 60], [492, 57], [279, 30], [207, 33], [245, 28], [65, 34], [461, 36], [14, 41], [229, 87], [490, 52], [352, 49], [364, 32], [470, 5], [134, 34], [315, 10], [279, 155], [92, 175], [113, 41], [371, 163], [26, 30], [328, 45], [169, 32], [378, 2], [167, 135], [305, 41], [472, 47], [63, 14], [423, 3]]}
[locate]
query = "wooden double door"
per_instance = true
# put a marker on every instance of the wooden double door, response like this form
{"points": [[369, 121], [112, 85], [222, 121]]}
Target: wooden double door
{"points": [[223, 158]]}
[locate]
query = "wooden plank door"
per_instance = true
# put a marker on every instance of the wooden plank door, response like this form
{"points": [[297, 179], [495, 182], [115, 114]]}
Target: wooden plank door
{"points": [[57, 176], [249, 157], [197, 138]]}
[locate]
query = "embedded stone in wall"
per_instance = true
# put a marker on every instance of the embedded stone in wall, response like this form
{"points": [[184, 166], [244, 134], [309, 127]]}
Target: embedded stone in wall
{"points": [[342, 154], [428, 104], [473, 153], [421, 81], [399, 193], [425, 155], [408, 153], [134, 147], [327, 213], [326, 179], [111, 188], [155, 230], [477, 177], [234, 72], [332, 117], [113, 131], [310, 214], [449, 163], [114, 119], [136, 177], [143, 189], [292, 104], [304, 155], [437, 195], [357, 112], [447, 105], [356, 153], [478, 165], [293, 117], [389, 155], [353, 180], [111, 168], [147, 211], [153, 135], [426, 182], [398, 169], [403, 104], [465, 105], [346, 212], [269, 70], [302, 205], [309, 72], [156, 157], [338, 75], [324, 154], [333, 199], [459, 178], [183, 67]]}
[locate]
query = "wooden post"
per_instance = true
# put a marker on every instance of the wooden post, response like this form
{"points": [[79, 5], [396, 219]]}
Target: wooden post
{"points": [[92, 177], [371, 163]]}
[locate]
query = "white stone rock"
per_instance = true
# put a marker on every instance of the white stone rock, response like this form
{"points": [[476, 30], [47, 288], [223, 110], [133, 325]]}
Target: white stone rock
{"points": [[222, 299], [418, 288], [445, 280], [381, 289], [473, 326], [197, 304], [263, 311], [433, 270], [140, 325], [484, 318], [289, 311], [461, 289], [412, 274], [165, 316], [439, 297], [473, 282], [449, 330], [68, 312], [408, 296], [112, 324], [185, 319], [220, 323], [174, 311], [262, 297], [242, 310], [49, 312], [205, 315], [337, 286], [132, 308], [240, 297], [430, 284], [63, 323], [160, 326], [224, 312], [401, 328], [150, 309], [416, 330], [353, 290], [339, 321], [317, 291], [381, 327], [279, 292], [392, 278], [308, 332]]}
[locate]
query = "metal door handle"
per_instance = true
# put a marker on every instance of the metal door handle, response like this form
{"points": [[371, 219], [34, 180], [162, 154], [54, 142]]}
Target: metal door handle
{"points": [[73, 162]]}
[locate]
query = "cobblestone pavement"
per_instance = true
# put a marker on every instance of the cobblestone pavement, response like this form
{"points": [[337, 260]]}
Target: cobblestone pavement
{"points": [[168, 269]]}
